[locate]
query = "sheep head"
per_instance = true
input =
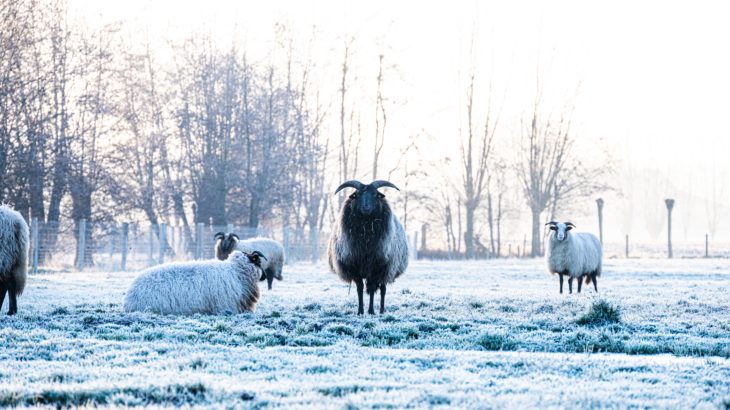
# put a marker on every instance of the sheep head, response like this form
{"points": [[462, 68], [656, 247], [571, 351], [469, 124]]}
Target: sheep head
{"points": [[560, 228], [366, 199], [253, 257], [225, 244]]}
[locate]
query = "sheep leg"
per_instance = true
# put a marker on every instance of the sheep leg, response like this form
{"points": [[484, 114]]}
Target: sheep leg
{"points": [[561, 283], [595, 283], [372, 287], [570, 284], [371, 310], [580, 282], [382, 298], [360, 288], [3, 289], [13, 302]]}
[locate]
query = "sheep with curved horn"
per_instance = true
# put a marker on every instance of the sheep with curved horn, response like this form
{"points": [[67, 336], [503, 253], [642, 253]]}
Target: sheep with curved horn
{"points": [[368, 244], [577, 255], [272, 266]]}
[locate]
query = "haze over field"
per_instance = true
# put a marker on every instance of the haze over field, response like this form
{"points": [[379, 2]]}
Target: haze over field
{"points": [[648, 81]]}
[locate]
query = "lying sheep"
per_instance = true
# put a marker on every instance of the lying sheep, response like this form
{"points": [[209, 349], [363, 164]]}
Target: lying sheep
{"points": [[209, 287], [368, 242], [13, 256], [227, 243], [577, 255]]}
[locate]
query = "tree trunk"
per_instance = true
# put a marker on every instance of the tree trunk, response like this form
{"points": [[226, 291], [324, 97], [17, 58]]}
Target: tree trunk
{"points": [[536, 244], [49, 238], [490, 221], [253, 211], [499, 225], [177, 201], [469, 232]]}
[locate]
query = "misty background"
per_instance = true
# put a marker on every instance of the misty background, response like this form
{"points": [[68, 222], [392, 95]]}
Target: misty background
{"points": [[500, 116]]}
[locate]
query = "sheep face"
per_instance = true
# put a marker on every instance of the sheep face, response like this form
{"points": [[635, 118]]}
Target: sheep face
{"points": [[560, 229], [366, 201], [253, 257], [225, 244]]}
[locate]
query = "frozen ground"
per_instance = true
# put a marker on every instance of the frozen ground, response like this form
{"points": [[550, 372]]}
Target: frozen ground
{"points": [[477, 334]]}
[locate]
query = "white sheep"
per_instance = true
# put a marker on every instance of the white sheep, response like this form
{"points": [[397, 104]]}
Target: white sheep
{"points": [[577, 255], [271, 249], [209, 287], [13, 256]]}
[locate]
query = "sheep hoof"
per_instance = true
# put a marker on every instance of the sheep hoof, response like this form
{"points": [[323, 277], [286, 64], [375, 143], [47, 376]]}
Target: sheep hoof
{"points": [[371, 311]]}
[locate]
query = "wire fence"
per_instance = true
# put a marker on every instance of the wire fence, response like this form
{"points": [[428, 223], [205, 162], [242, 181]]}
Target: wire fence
{"points": [[132, 246]]}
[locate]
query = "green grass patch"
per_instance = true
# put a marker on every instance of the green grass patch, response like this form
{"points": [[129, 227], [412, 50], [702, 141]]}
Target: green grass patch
{"points": [[600, 313], [496, 341]]}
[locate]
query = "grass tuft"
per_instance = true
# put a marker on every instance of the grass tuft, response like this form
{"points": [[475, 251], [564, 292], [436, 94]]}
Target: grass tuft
{"points": [[601, 313], [496, 341]]}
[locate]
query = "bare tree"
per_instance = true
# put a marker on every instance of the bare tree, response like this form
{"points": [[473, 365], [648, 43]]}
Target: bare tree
{"points": [[475, 150], [496, 201], [349, 148], [86, 169], [544, 150], [141, 160], [381, 119]]}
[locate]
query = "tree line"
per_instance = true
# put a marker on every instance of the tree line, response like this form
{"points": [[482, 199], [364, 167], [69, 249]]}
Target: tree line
{"points": [[98, 127]]}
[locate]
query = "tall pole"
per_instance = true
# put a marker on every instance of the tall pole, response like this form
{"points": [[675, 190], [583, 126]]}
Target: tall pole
{"points": [[670, 205], [600, 203]]}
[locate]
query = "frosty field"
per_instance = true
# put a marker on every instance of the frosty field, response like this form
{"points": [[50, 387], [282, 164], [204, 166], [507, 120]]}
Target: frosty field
{"points": [[455, 334]]}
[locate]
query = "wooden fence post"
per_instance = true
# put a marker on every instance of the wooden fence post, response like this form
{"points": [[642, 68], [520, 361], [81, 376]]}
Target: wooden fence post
{"points": [[199, 240], [34, 243], [125, 244]]}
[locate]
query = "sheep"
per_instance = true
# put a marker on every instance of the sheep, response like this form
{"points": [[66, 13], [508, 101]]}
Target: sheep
{"points": [[225, 244], [13, 256], [368, 242], [209, 287], [577, 255]]}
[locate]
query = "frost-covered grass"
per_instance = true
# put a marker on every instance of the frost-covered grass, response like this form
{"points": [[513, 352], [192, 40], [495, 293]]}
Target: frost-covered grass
{"points": [[493, 333]]}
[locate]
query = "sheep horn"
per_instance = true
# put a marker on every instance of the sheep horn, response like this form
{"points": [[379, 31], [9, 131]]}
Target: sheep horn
{"points": [[381, 183], [236, 236], [551, 223], [259, 254], [353, 183], [219, 235], [570, 224]]}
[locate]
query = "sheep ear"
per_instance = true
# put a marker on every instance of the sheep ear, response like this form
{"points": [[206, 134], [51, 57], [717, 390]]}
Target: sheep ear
{"points": [[569, 226], [219, 235]]}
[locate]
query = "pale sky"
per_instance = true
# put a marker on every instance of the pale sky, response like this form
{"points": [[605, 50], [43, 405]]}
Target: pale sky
{"points": [[654, 76]]}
